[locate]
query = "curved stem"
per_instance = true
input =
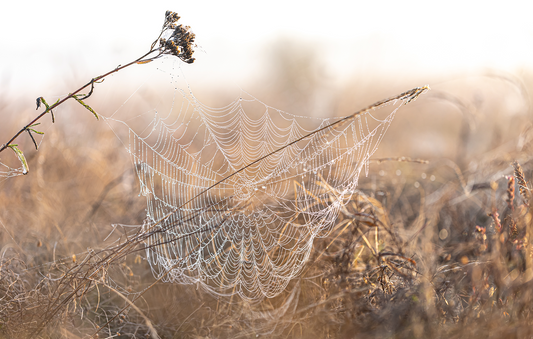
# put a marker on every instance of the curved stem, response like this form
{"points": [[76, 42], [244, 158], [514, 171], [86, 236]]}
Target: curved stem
{"points": [[93, 80]]}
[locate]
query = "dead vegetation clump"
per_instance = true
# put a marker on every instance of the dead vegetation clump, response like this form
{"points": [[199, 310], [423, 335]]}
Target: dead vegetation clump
{"points": [[453, 263]]}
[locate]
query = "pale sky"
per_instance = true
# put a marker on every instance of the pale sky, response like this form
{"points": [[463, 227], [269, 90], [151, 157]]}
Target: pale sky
{"points": [[45, 41]]}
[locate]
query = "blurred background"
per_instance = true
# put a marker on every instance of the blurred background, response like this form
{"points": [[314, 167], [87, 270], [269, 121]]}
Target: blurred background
{"points": [[304, 57], [309, 58]]}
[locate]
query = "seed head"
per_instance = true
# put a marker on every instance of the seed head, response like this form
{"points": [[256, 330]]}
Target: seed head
{"points": [[522, 183], [510, 193], [181, 41]]}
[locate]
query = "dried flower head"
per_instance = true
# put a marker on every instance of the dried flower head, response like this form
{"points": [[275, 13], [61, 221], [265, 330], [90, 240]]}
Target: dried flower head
{"points": [[181, 41]]}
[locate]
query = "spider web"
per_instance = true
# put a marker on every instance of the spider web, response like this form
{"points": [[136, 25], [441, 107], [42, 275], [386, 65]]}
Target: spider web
{"points": [[236, 195]]}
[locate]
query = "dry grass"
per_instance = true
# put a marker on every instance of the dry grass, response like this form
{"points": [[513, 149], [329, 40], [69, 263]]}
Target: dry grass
{"points": [[424, 250]]}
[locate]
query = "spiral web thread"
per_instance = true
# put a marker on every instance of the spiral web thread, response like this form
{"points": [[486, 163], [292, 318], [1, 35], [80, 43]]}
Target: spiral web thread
{"points": [[236, 195]]}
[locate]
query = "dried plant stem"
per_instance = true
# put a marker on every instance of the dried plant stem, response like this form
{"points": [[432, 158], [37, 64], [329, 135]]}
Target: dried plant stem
{"points": [[130, 303], [71, 95]]}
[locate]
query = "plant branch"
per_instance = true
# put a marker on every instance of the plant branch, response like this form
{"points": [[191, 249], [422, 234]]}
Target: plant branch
{"points": [[71, 95]]}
